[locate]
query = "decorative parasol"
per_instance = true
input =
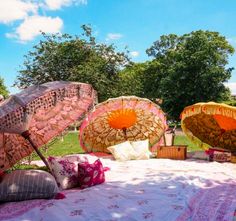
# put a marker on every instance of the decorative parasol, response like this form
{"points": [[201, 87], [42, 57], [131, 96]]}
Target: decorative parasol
{"points": [[210, 125], [34, 116], [119, 119]]}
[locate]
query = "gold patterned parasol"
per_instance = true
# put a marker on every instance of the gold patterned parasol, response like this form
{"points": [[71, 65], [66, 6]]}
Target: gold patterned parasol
{"points": [[119, 119], [210, 125]]}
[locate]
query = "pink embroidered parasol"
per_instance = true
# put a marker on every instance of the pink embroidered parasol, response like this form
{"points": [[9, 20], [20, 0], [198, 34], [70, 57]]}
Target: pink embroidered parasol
{"points": [[34, 116], [119, 119]]}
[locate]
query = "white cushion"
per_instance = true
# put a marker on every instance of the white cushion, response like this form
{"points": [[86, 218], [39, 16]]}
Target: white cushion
{"points": [[123, 151], [142, 149]]}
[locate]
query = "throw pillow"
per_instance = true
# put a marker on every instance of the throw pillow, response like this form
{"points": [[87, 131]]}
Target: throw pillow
{"points": [[90, 174], [142, 149], [123, 151], [27, 184], [65, 169]]}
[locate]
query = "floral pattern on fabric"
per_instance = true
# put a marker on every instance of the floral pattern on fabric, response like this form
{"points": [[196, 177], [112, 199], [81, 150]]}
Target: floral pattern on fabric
{"points": [[15, 209], [65, 169], [90, 174], [164, 190]]}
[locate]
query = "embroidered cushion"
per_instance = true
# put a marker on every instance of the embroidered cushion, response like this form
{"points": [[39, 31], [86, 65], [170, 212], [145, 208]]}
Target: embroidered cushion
{"points": [[142, 149], [90, 174], [27, 184], [65, 169], [219, 155], [123, 151]]}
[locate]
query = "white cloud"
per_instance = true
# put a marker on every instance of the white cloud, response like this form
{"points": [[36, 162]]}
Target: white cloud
{"points": [[57, 4], [232, 86], [134, 53], [12, 10], [32, 22], [32, 26], [113, 36]]}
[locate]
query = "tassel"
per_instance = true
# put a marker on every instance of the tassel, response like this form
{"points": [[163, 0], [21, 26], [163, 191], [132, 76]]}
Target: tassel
{"points": [[106, 169]]}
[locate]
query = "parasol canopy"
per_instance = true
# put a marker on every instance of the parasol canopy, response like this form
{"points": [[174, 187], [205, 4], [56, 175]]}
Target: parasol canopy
{"points": [[119, 119], [210, 125], [34, 116]]}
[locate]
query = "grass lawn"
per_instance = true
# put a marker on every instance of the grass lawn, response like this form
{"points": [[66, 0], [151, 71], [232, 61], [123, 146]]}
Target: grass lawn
{"points": [[183, 140], [71, 145]]}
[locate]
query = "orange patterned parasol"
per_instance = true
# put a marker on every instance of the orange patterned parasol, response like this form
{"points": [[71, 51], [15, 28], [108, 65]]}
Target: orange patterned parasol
{"points": [[34, 116], [119, 119], [210, 125]]}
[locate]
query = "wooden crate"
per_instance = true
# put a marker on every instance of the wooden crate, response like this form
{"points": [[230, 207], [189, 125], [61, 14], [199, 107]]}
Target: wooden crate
{"points": [[178, 152], [233, 159]]}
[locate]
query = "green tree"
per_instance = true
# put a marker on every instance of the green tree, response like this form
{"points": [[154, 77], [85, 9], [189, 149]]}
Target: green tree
{"points": [[3, 88], [188, 69], [130, 80], [75, 58]]}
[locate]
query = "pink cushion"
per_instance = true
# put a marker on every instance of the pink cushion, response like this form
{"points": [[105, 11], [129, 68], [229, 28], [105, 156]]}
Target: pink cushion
{"points": [[65, 169], [90, 174]]}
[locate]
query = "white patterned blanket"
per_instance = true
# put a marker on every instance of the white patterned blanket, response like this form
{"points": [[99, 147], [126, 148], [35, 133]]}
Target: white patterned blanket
{"points": [[156, 189]]}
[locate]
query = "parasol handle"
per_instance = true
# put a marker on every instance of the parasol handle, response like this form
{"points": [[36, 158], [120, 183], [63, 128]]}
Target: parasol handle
{"points": [[124, 129], [26, 135]]}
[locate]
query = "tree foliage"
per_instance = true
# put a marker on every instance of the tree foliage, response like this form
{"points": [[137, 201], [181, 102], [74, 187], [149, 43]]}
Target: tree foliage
{"points": [[130, 80], [188, 69], [3, 88], [74, 59], [185, 69]]}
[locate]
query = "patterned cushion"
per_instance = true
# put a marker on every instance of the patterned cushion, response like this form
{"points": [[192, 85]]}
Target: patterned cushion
{"points": [[65, 169], [123, 151], [142, 149], [90, 174], [26, 185]]}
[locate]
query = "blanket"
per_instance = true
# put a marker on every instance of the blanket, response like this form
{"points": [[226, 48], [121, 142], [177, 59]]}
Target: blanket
{"points": [[155, 189]]}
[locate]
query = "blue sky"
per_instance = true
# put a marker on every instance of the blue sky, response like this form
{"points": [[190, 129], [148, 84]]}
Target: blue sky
{"points": [[135, 23]]}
